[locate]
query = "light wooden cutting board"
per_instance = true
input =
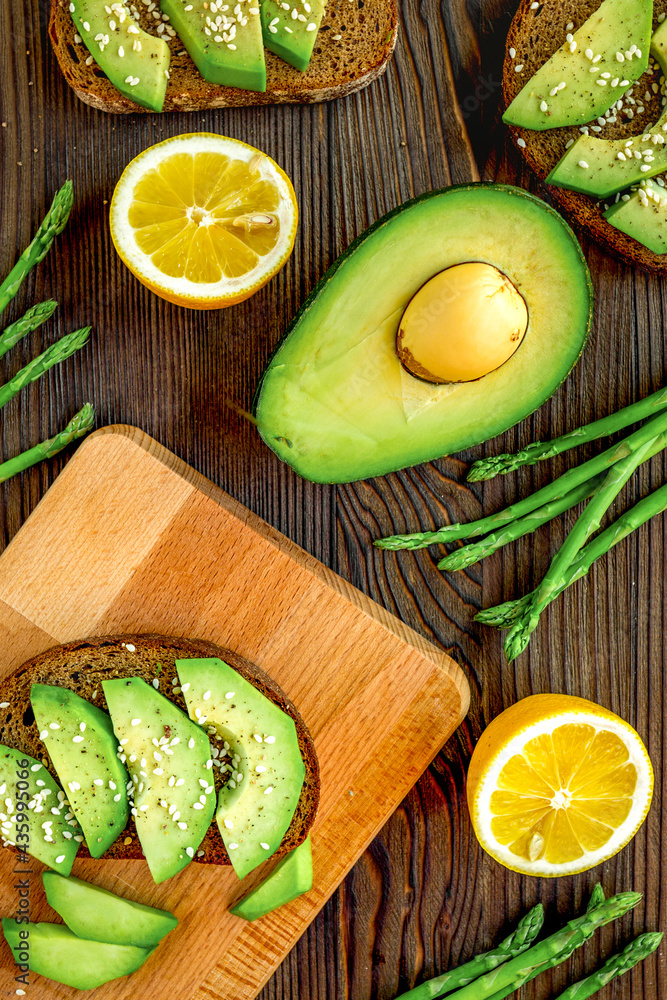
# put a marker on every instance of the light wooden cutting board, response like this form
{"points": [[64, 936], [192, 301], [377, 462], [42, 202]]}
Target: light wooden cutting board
{"points": [[130, 539]]}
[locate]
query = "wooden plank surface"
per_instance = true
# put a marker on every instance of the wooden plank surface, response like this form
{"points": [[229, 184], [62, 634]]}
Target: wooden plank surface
{"points": [[138, 542], [423, 896]]}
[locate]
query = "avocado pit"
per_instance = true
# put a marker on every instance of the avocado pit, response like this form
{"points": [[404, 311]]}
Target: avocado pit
{"points": [[463, 323]]}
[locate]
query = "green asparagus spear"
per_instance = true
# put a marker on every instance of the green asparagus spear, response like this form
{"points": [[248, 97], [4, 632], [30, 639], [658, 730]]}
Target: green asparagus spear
{"points": [[549, 952], [475, 551], [504, 615], [568, 481], [517, 529], [636, 951], [53, 355], [527, 930], [34, 317], [79, 425], [597, 898], [487, 468], [588, 522], [54, 223]]}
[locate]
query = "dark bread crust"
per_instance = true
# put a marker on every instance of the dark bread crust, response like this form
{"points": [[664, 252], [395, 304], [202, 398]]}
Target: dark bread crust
{"points": [[337, 68], [83, 665], [536, 35]]}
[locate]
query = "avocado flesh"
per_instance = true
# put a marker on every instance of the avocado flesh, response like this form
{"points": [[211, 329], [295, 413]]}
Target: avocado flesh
{"points": [[288, 35], [615, 26], [84, 757], [99, 915], [169, 761], [643, 220], [605, 172], [55, 952], [43, 793], [120, 33], [198, 27], [258, 809], [292, 876], [335, 402]]}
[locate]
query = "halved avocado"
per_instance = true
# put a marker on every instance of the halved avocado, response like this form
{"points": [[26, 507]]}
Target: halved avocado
{"points": [[335, 402]]}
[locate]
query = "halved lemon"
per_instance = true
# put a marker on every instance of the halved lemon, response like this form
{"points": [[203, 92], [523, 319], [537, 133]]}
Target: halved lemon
{"points": [[558, 784], [203, 220]]}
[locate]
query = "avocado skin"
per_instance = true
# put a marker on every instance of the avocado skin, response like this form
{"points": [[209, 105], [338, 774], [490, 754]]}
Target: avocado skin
{"points": [[353, 470], [58, 954], [96, 914], [289, 879]]}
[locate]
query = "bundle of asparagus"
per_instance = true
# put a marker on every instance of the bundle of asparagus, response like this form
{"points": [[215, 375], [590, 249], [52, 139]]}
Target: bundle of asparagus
{"points": [[53, 224], [598, 481], [498, 973]]}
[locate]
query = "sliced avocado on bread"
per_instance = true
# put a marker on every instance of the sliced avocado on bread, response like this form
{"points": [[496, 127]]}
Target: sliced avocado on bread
{"points": [[589, 72], [289, 879], [642, 214], [224, 40], [82, 746], [265, 770], [136, 62], [336, 401], [290, 28], [85, 665], [99, 915], [55, 952], [169, 761], [53, 834], [602, 167]]}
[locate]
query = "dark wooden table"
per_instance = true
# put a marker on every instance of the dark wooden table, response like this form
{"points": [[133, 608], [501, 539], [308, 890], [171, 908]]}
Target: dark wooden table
{"points": [[423, 896]]}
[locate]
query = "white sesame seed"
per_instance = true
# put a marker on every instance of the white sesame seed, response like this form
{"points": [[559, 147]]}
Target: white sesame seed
{"points": [[620, 155], [182, 825], [60, 859], [265, 846], [517, 69], [268, 789], [512, 52], [232, 847], [117, 798], [98, 781], [53, 725], [190, 851], [180, 781], [230, 694], [603, 83], [582, 163], [134, 722], [156, 683], [35, 767], [521, 142], [77, 739], [260, 769], [197, 805], [645, 167], [269, 739], [534, 5]]}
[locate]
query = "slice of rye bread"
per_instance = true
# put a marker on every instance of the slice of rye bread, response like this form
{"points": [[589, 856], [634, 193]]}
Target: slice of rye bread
{"points": [[535, 34], [82, 666], [353, 46]]}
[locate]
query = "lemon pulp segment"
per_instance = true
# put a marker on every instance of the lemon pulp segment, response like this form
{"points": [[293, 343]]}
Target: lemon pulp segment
{"points": [[204, 216]]}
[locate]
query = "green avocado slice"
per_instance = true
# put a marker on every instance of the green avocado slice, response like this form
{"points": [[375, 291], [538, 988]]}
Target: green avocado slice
{"points": [[52, 834], [602, 167], [292, 876], [99, 915], [568, 89], [83, 749], [254, 810], [291, 32], [335, 402], [224, 40], [169, 761], [136, 63], [643, 216], [53, 951]]}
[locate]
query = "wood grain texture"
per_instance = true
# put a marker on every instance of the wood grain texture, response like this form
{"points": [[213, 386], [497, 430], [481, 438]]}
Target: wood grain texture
{"points": [[136, 545], [423, 897]]}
